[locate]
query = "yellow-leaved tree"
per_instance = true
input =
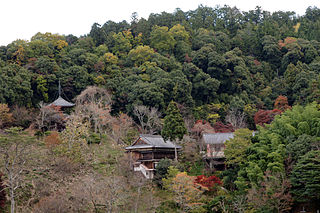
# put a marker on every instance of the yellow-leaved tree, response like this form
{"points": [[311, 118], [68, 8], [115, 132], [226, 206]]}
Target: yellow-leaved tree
{"points": [[5, 115], [74, 139], [187, 194]]}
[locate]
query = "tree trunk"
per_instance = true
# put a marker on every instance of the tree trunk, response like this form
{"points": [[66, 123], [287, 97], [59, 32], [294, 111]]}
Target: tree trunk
{"points": [[137, 201], [175, 151], [12, 210]]}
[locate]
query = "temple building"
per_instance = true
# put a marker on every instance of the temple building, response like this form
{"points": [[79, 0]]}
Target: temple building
{"points": [[147, 151], [214, 143], [215, 146]]}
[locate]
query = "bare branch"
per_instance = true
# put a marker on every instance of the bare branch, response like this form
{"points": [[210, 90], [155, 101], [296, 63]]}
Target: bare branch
{"points": [[236, 118], [149, 119]]}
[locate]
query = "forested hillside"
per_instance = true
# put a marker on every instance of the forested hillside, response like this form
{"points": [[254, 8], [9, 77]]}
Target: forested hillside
{"points": [[209, 55], [223, 69]]}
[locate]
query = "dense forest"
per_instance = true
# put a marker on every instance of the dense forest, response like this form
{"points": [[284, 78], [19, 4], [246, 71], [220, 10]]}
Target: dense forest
{"points": [[221, 69]]}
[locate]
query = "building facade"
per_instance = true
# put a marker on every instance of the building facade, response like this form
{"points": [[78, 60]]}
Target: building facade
{"points": [[146, 152]]}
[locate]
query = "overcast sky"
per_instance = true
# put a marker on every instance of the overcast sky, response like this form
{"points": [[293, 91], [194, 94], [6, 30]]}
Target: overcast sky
{"points": [[21, 19]]}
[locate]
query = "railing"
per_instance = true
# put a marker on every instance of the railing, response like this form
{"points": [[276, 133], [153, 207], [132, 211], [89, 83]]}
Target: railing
{"points": [[148, 173], [219, 154]]}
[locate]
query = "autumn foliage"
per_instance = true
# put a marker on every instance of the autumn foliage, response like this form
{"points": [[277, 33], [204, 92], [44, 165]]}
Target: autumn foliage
{"points": [[281, 103], [208, 182], [202, 126], [263, 117], [266, 116], [5, 116], [187, 195], [287, 41], [52, 140], [220, 127]]}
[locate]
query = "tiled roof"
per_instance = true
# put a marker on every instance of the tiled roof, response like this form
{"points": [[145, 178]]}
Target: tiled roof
{"points": [[217, 138], [61, 102], [153, 141]]}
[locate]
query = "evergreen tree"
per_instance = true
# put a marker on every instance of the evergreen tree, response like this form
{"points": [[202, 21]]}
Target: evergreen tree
{"points": [[305, 177], [174, 127]]}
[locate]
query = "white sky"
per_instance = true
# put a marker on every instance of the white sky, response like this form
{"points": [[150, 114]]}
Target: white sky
{"points": [[21, 19]]}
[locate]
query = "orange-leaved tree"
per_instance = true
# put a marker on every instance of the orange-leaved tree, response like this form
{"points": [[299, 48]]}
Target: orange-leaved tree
{"points": [[281, 103], [52, 140], [187, 194], [5, 115]]}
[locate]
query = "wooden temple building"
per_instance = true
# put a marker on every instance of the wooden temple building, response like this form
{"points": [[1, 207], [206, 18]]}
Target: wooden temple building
{"points": [[147, 151], [214, 143], [215, 146]]}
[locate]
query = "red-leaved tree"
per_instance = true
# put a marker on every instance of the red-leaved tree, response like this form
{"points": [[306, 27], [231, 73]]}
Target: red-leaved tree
{"points": [[210, 182], [219, 127], [263, 117]]}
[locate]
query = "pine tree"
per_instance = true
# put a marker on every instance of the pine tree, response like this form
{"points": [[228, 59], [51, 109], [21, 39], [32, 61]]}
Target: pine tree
{"points": [[174, 127]]}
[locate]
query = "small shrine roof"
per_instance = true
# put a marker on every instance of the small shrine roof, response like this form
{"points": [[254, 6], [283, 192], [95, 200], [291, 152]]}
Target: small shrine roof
{"points": [[62, 103]]}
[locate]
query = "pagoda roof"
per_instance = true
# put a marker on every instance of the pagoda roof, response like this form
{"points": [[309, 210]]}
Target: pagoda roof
{"points": [[62, 103]]}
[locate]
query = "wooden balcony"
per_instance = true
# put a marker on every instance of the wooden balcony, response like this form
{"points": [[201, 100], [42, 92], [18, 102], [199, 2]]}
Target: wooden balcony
{"points": [[213, 154]]}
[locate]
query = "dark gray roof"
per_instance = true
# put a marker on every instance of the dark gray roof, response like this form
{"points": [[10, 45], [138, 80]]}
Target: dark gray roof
{"points": [[61, 102], [217, 138], [153, 141]]}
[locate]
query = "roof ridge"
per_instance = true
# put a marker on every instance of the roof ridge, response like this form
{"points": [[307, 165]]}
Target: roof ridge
{"points": [[150, 135], [218, 133]]}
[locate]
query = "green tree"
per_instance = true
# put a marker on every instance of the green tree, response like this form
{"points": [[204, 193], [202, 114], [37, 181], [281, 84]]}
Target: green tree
{"points": [[98, 35], [271, 51], [42, 89], [173, 128], [235, 148], [162, 40], [140, 55], [299, 147], [179, 33], [122, 44], [15, 85], [161, 171], [305, 177], [268, 152]]}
